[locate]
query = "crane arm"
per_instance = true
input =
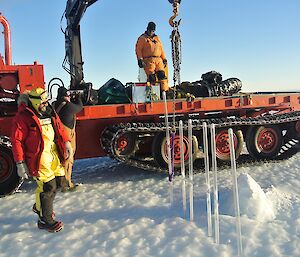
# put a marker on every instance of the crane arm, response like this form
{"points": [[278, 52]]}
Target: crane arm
{"points": [[73, 62], [75, 10]]}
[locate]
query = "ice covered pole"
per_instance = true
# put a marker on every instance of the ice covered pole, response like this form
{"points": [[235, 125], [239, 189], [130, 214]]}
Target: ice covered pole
{"points": [[191, 200], [191, 175], [168, 146], [181, 149], [235, 193], [215, 178], [190, 136], [168, 136], [183, 184], [206, 163]]}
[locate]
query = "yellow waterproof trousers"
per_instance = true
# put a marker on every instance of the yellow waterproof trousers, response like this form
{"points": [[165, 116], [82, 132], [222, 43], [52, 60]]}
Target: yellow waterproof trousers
{"points": [[50, 168]]}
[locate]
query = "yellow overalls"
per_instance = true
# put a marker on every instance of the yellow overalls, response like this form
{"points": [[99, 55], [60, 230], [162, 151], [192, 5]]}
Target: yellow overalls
{"points": [[50, 165]]}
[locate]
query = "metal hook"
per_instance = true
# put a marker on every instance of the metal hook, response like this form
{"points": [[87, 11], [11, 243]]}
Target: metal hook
{"points": [[175, 12]]}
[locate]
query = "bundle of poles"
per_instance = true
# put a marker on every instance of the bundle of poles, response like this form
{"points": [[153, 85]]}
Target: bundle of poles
{"points": [[208, 159]]}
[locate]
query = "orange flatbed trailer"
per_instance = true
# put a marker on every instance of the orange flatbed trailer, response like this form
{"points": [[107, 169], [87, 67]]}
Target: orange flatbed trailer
{"points": [[92, 120]]}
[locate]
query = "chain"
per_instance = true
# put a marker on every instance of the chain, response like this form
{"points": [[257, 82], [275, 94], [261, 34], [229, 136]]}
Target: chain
{"points": [[176, 53], [176, 58]]}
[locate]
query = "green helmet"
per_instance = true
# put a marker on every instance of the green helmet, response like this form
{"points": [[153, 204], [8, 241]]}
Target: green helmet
{"points": [[38, 96]]}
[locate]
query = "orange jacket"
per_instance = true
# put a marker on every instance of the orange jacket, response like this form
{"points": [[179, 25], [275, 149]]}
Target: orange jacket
{"points": [[149, 47]]}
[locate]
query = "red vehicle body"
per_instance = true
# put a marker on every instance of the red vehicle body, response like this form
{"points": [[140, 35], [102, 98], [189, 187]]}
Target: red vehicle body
{"points": [[264, 121], [95, 119]]}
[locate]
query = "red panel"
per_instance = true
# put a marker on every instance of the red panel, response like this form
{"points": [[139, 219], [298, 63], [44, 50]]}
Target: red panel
{"points": [[5, 126], [29, 76], [88, 134], [9, 81]]}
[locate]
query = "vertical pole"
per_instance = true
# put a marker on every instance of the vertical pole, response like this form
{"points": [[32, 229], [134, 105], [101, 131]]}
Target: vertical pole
{"points": [[215, 187], [190, 136], [235, 193], [181, 149], [191, 175], [168, 147], [206, 162], [191, 200], [183, 184]]}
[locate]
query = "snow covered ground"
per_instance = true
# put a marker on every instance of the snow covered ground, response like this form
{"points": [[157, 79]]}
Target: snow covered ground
{"points": [[124, 211]]}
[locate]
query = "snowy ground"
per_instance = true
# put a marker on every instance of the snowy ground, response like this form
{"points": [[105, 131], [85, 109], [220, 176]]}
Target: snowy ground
{"points": [[123, 211]]}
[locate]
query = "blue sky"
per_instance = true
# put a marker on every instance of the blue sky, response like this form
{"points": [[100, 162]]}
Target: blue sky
{"points": [[257, 41]]}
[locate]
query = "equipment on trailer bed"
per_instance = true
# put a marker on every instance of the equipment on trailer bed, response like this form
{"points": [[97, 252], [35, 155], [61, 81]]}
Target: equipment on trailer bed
{"points": [[268, 123]]}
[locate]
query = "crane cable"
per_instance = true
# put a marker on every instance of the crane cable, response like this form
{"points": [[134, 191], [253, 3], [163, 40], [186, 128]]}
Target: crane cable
{"points": [[176, 58]]}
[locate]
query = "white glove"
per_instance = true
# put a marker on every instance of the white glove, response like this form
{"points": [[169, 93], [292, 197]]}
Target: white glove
{"points": [[69, 150], [22, 170]]}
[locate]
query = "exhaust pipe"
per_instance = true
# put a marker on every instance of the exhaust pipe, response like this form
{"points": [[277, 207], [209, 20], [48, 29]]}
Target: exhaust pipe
{"points": [[7, 40]]}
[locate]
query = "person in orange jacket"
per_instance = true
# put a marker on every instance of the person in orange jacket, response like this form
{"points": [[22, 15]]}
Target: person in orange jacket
{"points": [[151, 57], [40, 147]]}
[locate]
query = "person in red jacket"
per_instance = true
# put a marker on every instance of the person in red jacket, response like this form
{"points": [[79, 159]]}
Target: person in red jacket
{"points": [[40, 147], [151, 56]]}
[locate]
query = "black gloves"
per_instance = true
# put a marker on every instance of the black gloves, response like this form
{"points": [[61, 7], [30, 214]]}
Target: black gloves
{"points": [[141, 63], [165, 62]]}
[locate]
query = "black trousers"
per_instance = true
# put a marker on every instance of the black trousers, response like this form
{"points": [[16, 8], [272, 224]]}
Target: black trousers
{"points": [[47, 195]]}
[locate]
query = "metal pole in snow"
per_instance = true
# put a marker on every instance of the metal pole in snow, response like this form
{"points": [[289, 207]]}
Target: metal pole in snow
{"points": [[215, 188], [168, 146], [191, 176], [181, 149], [206, 163], [190, 136], [235, 193], [183, 185], [191, 201]]}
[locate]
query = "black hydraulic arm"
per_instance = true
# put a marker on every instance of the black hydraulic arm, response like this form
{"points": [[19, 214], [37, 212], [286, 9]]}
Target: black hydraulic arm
{"points": [[73, 62]]}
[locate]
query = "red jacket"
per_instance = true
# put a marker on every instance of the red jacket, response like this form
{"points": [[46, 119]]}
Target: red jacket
{"points": [[27, 140]]}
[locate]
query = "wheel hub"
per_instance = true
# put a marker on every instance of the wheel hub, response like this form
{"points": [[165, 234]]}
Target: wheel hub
{"points": [[222, 143], [125, 145], [267, 140], [122, 143], [177, 153]]}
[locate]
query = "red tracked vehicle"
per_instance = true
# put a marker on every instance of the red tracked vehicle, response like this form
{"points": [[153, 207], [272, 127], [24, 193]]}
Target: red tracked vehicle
{"points": [[135, 132], [13, 80]]}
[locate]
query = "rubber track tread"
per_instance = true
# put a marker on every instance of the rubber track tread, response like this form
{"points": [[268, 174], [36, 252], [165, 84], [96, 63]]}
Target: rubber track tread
{"points": [[288, 150]]}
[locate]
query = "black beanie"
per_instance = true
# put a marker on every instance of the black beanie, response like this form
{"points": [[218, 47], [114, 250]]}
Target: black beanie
{"points": [[151, 26], [61, 92]]}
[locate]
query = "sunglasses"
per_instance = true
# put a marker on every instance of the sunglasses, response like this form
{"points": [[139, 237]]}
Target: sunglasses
{"points": [[45, 102]]}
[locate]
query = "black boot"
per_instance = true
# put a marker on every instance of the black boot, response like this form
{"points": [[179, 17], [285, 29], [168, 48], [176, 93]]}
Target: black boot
{"points": [[55, 226]]}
